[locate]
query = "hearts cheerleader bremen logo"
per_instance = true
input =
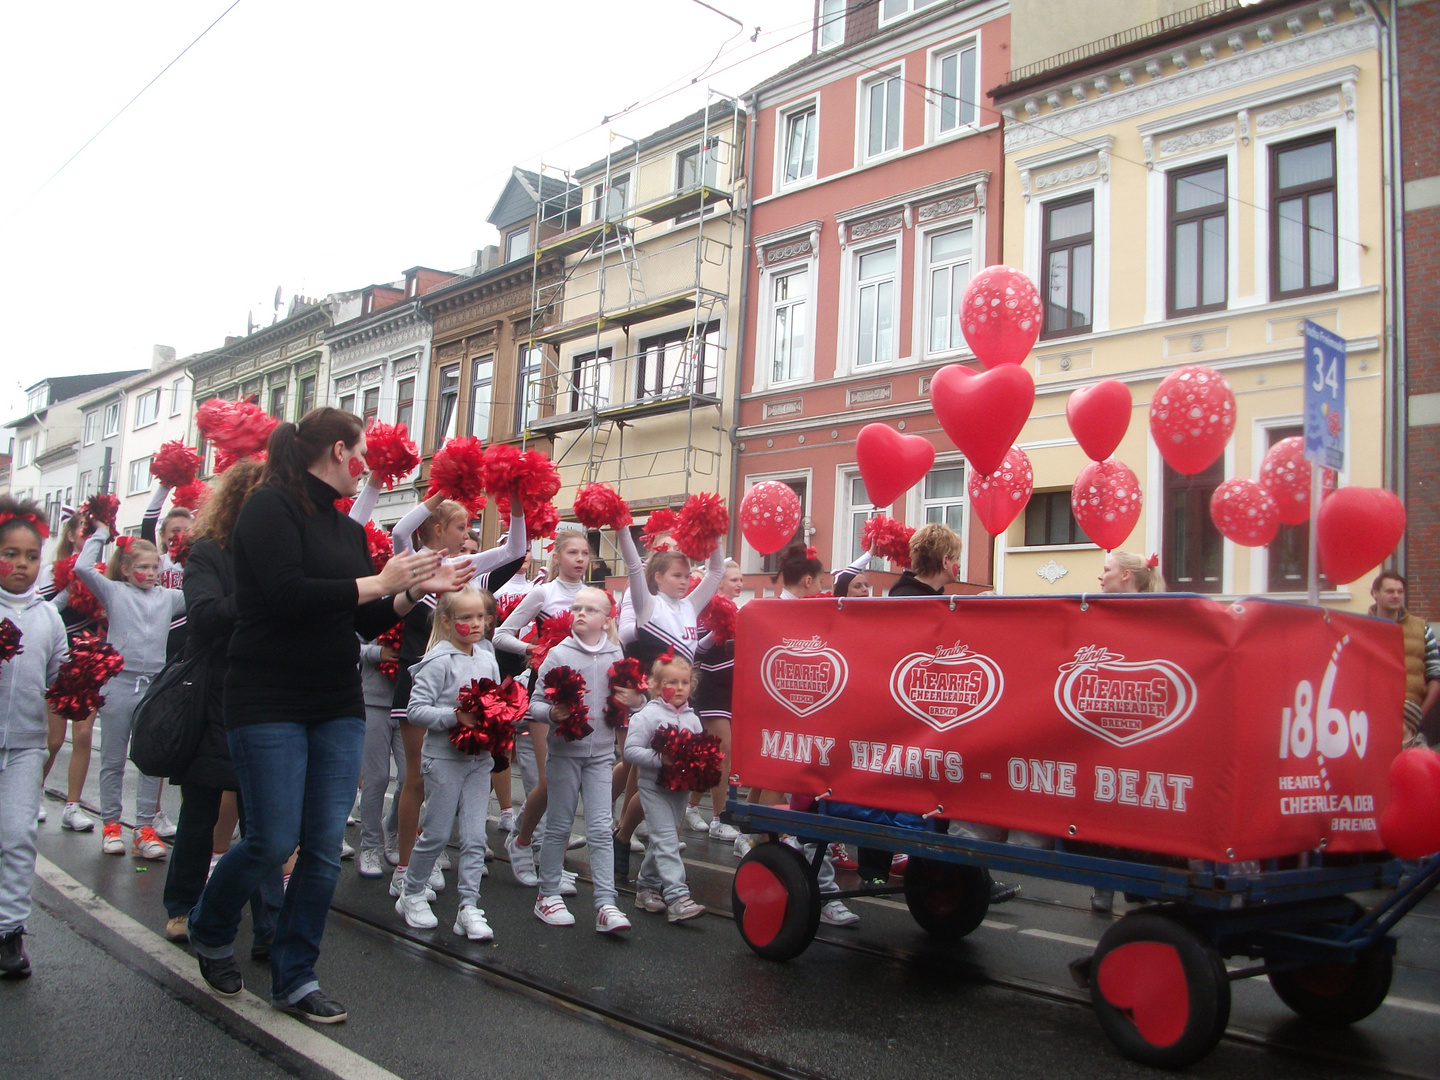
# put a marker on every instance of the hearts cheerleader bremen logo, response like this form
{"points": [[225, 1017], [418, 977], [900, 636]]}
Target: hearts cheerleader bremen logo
{"points": [[803, 675], [1123, 701], [948, 687]]}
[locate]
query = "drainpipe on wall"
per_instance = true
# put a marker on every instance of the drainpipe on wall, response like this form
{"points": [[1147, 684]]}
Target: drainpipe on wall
{"points": [[751, 114]]}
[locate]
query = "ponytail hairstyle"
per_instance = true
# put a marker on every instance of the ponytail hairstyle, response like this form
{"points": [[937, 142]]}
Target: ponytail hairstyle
{"points": [[127, 550], [22, 514], [1146, 572], [216, 521], [661, 561], [563, 536], [796, 563], [445, 513], [71, 539], [294, 448], [445, 605]]}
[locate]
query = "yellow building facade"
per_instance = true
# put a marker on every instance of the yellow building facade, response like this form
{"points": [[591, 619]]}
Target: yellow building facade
{"points": [[1189, 192]]}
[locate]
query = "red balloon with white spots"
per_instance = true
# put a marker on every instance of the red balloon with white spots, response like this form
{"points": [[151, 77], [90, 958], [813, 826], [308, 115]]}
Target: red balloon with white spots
{"points": [[998, 498], [769, 515], [1192, 416], [1245, 512], [1000, 315], [1106, 501], [1286, 475]]}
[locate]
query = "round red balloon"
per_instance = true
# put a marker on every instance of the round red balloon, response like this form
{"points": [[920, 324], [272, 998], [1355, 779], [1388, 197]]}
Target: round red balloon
{"points": [[998, 497], [1099, 416], [1106, 502], [891, 463], [1286, 475], [1410, 822], [1245, 512], [769, 515], [982, 413], [1000, 315], [1357, 528], [1191, 417]]}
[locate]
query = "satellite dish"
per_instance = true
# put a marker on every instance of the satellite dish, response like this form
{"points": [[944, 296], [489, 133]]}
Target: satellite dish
{"points": [[277, 297]]}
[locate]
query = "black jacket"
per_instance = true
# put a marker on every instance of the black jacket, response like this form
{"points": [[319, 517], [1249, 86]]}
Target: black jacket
{"points": [[907, 584], [211, 610], [294, 656]]}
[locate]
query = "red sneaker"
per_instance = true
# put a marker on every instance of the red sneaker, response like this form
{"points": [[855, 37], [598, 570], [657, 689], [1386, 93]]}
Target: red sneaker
{"points": [[841, 857], [898, 864]]}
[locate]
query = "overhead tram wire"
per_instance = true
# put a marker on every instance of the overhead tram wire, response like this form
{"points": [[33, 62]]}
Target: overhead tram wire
{"points": [[66, 163]]}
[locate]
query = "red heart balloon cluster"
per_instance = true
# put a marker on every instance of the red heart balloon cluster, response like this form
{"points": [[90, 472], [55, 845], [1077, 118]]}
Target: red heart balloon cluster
{"points": [[1106, 501], [1410, 822], [1357, 528], [1286, 475], [891, 463], [769, 515], [983, 413], [1000, 315], [1099, 416], [1191, 417], [1245, 512], [997, 498]]}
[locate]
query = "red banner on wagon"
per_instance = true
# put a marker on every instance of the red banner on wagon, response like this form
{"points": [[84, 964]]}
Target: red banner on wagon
{"points": [[1170, 724]]}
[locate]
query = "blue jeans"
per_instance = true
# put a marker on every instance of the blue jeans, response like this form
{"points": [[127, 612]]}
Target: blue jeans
{"points": [[297, 782]]}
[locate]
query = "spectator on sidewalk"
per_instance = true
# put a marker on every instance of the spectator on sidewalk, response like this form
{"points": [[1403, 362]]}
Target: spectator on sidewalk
{"points": [[1422, 656]]}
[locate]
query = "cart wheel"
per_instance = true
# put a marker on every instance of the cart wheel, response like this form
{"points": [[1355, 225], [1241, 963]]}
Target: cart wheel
{"points": [[1337, 993], [948, 900], [776, 901], [1159, 991]]}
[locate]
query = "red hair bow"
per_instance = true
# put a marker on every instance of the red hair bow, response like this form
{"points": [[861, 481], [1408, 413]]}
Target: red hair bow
{"points": [[40, 525], [811, 553], [666, 657], [124, 542], [1153, 561]]}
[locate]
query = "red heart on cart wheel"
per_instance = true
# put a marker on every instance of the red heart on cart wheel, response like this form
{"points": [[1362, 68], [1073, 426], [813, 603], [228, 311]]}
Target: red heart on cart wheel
{"points": [[765, 900], [1146, 981]]}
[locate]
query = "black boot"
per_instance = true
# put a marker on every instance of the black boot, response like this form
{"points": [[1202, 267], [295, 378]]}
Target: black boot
{"points": [[14, 964], [221, 975], [622, 859]]}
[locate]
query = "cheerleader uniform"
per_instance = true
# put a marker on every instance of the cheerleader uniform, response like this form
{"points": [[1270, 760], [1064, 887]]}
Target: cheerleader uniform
{"points": [[655, 623]]}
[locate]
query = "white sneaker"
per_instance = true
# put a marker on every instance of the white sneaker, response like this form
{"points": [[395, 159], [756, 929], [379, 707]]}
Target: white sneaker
{"points": [[416, 910], [346, 851], [144, 843], [682, 909], [489, 854], [41, 813], [743, 844], [437, 879], [235, 836], [370, 865], [722, 833], [609, 918], [442, 861], [353, 818], [790, 841], [575, 842], [836, 913], [397, 884], [649, 900], [694, 822], [163, 826], [522, 861], [551, 910], [75, 819], [470, 922], [567, 883], [507, 819], [215, 857], [484, 871], [682, 845], [636, 847], [392, 849]]}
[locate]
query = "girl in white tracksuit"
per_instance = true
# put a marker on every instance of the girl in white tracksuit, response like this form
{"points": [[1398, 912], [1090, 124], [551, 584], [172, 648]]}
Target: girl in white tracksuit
{"points": [[454, 782], [140, 612], [580, 769], [661, 885]]}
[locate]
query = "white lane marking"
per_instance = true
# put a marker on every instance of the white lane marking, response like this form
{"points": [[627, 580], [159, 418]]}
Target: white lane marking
{"points": [[996, 924], [1426, 1007], [295, 1034], [1069, 939]]}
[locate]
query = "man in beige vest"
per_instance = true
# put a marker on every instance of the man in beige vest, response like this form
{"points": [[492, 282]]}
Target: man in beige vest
{"points": [[1422, 656]]}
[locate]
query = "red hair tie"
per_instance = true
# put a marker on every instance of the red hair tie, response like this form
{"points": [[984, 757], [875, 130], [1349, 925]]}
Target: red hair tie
{"points": [[666, 657], [124, 542], [1153, 561], [35, 521], [811, 553]]}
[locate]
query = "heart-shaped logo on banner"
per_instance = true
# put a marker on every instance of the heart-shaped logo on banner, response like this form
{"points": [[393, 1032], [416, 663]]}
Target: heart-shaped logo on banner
{"points": [[1123, 701], [983, 413], [891, 463], [947, 687], [803, 676], [1099, 416]]}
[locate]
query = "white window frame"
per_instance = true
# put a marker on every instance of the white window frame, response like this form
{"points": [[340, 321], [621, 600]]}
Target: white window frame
{"points": [[111, 427], [605, 196], [842, 554], [836, 22], [1100, 269], [138, 475], [765, 332], [920, 331], [143, 400], [771, 279], [92, 428], [862, 113], [750, 559], [1157, 233], [911, 7], [595, 387], [933, 59], [787, 114], [916, 503], [177, 395], [846, 360], [82, 488], [23, 455], [511, 236]]}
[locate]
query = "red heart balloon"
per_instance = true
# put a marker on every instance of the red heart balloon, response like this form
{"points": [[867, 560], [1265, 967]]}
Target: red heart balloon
{"points": [[1410, 822], [765, 900], [1106, 501], [1286, 475], [1000, 315], [1245, 512], [891, 463], [1357, 528], [998, 497], [1146, 981], [1191, 417], [1099, 416], [982, 413], [769, 514]]}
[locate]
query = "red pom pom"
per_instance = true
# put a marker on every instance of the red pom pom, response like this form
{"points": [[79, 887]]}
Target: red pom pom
{"points": [[76, 691], [703, 521], [84, 602], [174, 464], [506, 604], [179, 548], [389, 452], [695, 759], [888, 538], [394, 638], [10, 646], [498, 708], [718, 618], [456, 473], [542, 517], [191, 496], [237, 428], [599, 506], [344, 504], [627, 674], [551, 632], [102, 508], [657, 525], [506, 468], [564, 686], [381, 546]]}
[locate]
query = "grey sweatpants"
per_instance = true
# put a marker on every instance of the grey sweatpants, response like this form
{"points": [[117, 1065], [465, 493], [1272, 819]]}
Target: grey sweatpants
{"points": [[529, 767], [20, 771], [453, 786], [662, 868], [122, 694], [382, 742], [573, 779]]}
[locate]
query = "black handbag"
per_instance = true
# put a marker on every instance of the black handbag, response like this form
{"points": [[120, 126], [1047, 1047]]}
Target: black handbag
{"points": [[170, 719]]}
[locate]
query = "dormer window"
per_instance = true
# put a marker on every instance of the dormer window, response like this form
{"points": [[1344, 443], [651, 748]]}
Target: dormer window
{"points": [[517, 244]]}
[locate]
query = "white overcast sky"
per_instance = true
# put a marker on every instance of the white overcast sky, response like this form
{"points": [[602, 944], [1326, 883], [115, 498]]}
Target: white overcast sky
{"points": [[317, 145]]}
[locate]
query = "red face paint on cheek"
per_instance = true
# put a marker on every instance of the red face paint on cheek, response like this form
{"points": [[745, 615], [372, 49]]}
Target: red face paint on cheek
{"points": [[6, 568], [463, 629], [356, 467], [668, 693]]}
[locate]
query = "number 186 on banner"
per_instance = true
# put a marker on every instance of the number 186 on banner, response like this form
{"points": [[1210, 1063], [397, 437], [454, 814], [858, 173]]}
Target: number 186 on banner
{"points": [[1324, 397]]}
